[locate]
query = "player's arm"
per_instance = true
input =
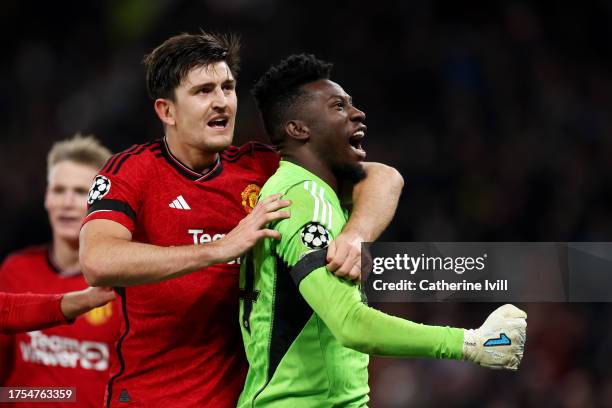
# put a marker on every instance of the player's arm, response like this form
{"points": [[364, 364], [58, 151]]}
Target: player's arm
{"points": [[109, 257], [374, 200], [74, 304], [370, 331], [21, 312], [338, 303], [26, 311]]}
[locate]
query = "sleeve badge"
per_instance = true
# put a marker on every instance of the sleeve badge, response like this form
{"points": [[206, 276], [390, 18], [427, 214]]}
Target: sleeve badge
{"points": [[315, 236], [100, 186]]}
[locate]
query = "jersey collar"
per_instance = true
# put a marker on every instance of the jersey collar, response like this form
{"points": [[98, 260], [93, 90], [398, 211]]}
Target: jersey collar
{"points": [[305, 174], [211, 172], [55, 267]]}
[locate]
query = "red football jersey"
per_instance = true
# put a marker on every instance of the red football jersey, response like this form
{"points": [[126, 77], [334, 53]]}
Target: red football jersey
{"points": [[29, 311], [70, 355], [180, 344]]}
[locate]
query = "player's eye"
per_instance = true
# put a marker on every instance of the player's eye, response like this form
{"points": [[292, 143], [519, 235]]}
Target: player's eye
{"points": [[229, 87], [339, 105]]}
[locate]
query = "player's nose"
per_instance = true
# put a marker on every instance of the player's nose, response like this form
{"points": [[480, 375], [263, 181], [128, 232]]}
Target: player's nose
{"points": [[219, 99], [69, 199], [357, 115]]}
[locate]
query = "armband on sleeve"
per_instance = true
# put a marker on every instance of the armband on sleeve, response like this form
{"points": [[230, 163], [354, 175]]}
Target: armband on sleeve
{"points": [[309, 262]]}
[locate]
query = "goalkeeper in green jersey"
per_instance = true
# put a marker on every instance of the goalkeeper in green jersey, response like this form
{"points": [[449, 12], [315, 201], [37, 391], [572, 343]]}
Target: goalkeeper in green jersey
{"points": [[307, 333]]}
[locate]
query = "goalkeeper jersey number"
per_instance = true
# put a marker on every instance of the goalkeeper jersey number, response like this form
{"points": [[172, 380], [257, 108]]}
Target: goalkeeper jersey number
{"points": [[294, 359]]}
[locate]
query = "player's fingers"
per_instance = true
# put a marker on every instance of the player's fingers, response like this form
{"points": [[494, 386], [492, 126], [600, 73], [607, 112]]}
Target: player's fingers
{"points": [[519, 353], [513, 364], [100, 296], [355, 272], [262, 203], [331, 251], [107, 296], [104, 300], [269, 233], [516, 330], [353, 257], [344, 270], [518, 324], [512, 325], [270, 198], [276, 205], [340, 255], [509, 310], [273, 216]]}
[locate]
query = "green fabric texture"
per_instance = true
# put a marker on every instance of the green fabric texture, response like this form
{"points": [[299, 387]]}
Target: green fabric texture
{"points": [[307, 347], [371, 331]]}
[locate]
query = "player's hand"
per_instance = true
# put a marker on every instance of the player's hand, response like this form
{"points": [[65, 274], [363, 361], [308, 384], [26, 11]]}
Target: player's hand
{"points": [[500, 341], [251, 229], [344, 256], [76, 303]]}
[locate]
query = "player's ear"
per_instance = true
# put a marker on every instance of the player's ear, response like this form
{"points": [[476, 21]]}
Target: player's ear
{"points": [[297, 129], [165, 111]]}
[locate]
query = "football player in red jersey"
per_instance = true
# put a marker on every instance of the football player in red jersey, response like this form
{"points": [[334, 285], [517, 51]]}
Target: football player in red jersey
{"points": [[27, 311], [181, 207], [78, 354]]}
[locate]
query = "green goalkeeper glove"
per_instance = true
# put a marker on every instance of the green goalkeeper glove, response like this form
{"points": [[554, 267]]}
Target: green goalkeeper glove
{"points": [[500, 341]]}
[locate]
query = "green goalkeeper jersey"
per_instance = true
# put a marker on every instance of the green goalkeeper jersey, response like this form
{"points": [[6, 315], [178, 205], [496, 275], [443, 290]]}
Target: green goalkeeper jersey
{"points": [[306, 333]]}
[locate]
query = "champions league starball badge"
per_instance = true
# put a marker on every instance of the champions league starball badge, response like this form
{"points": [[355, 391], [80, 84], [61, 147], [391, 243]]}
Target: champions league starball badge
{"points": [[315, 236], [101, 185]]}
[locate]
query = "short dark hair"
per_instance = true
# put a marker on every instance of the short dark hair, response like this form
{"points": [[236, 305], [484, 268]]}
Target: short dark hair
{"points": [[278, 91], [168, 64]]}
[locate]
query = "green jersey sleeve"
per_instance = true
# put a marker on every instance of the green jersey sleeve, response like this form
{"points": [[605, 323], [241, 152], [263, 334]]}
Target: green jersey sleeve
{"points": [[316, 218], [371, 331]]}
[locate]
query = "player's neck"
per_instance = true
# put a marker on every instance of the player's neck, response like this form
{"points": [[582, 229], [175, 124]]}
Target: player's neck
{"points": [[196, 159], [65, 255], [315, 166]]}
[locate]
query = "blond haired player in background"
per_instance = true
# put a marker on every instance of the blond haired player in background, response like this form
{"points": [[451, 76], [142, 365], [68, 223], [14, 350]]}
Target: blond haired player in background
{"points": [[74, 355]]}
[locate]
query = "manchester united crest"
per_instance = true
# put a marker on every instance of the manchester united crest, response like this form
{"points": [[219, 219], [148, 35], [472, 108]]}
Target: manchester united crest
{"points": [[249, 197], [99, 315]]}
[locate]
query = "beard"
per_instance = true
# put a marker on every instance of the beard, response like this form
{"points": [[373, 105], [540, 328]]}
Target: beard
{"points": [[352, 173]]}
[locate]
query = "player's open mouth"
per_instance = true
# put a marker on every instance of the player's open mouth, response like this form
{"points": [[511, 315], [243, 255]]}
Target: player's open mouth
{"points": [[355, 141], [67, 219], [219, 123]]}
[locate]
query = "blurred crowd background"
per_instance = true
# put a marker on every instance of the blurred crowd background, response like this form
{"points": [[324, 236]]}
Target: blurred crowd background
{"points": [[498, 114]]}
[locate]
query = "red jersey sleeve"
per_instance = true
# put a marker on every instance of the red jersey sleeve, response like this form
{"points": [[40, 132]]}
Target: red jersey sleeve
{"points": [[27, 312], [116, 191]]}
